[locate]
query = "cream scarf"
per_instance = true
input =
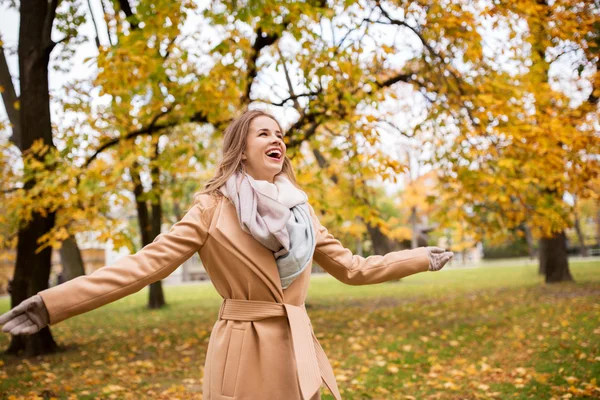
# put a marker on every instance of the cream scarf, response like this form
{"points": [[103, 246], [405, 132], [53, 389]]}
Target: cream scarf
{"points": [[277, 215]]}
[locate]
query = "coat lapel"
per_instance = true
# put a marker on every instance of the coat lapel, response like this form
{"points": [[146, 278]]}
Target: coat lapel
{"points": [[260, 259]]}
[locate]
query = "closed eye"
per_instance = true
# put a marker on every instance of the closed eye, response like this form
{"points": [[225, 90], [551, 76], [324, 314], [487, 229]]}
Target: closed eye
{"points": [[264, 133]]}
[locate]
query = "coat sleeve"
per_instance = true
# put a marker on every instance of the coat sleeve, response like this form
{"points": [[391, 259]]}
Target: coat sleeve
{"points": [[132, 273], [352, 269]]}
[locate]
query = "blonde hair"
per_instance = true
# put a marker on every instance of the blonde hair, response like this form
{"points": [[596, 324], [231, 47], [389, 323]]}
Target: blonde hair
{"points": [[234, 143]]}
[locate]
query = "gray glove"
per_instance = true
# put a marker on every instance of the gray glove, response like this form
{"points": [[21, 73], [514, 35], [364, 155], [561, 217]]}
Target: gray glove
{"points": [[438, 257], [27, 318]]}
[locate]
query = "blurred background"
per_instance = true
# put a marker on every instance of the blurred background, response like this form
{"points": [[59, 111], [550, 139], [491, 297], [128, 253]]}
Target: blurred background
{"points": [[469, 125]]}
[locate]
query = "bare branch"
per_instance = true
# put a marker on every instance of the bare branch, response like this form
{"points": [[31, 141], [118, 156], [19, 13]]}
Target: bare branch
{"points": [[106, 22], [260, 43], [9, 97], [289, 82], [49, 21], [95, 25], [152, 127], [394, 79], [293, 98]]}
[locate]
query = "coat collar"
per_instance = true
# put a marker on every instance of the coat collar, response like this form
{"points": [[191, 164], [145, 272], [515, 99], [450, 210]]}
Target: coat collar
{"points": [[256, 256], [242, 245]]}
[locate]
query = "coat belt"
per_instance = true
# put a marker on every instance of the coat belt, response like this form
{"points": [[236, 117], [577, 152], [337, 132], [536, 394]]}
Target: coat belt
{"points": [[312, 364]]}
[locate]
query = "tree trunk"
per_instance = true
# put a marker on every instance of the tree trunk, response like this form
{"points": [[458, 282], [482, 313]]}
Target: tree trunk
{"points": [[71, 259], [413, 225], [156, 297], [530, 242], [580, 237], [359, 243], [31, 276], [381, 243], [598, 227], [148, 231], [583, 249], [185, 270], [32, 270], [553, 258]]}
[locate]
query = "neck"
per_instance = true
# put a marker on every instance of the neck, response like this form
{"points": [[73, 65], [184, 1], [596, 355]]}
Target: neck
{"points": [[257, 177]]}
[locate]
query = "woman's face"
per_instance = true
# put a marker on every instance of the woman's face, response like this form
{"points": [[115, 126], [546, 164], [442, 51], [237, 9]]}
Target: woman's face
{"points": [[264, 137]]}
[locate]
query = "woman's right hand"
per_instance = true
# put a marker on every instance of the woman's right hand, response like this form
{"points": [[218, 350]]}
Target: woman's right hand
{"points": [[438, 257], [29, 317]]}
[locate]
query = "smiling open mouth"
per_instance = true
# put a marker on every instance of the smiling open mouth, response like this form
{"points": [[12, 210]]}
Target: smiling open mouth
{"points": [[274, 154]]}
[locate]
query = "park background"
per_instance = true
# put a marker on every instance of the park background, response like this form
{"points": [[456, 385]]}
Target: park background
{"points": [[469, 125]]}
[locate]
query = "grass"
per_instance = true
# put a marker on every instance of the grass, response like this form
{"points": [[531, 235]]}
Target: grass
{"points": [[485, 333]]}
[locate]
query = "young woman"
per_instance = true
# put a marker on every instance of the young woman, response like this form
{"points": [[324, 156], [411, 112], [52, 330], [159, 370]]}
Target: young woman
{"points": [[257, 236]]}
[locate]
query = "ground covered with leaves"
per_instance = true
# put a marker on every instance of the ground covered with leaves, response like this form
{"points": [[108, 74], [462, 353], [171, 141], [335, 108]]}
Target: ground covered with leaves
{"points": [[483, 333]]}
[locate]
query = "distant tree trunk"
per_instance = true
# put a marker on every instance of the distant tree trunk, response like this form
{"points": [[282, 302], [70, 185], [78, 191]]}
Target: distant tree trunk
{"points": [[530, 242], [580, 237], [359, 247], [156, 297], [553, 258], [598, 227], [381, 243], [148, 232], [553, 250], [414, 227], [71, 259], [185, 270], [359, 243], [32, 270]]}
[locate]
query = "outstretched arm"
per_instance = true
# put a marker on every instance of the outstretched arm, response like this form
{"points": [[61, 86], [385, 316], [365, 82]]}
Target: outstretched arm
{"points": [[352, 269], [128, 275]]}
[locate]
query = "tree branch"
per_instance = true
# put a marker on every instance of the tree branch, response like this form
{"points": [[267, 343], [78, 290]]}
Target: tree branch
{"points": [[95, 25], [9, 97], [260, 43], [151, 127], [49, 21], [126, 8], [289, 82], [293, 98]]}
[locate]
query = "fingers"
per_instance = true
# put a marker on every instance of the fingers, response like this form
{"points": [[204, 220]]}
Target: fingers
{"points": [[25, 328], [7, 316], [447, 256], [444, 258], [14, 322], [19, 309], [436, 250], [438, 260]]}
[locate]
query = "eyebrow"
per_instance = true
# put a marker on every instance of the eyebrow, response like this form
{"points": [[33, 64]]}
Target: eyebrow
{"points": [[268, 130]]}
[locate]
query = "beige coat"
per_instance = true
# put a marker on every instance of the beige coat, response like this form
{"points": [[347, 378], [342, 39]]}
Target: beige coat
{"points": [[262, 346]]}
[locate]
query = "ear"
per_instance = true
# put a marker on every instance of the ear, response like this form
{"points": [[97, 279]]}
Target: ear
{"points": [[243, 156]]}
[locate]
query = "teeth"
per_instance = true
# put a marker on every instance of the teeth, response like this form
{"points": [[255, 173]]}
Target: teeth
{"points": [[276, 152]]}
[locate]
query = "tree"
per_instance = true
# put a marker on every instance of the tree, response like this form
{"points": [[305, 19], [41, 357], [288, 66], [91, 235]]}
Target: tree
{"points": [[33, 130], [524, 145]]}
